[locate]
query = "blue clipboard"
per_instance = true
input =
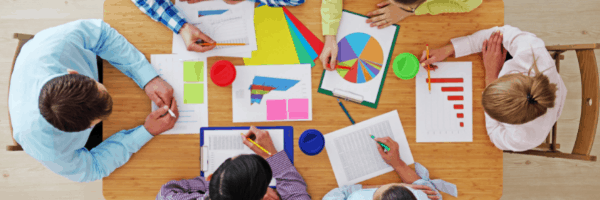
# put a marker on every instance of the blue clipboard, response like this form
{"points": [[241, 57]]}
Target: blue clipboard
{"points": [[288, 138]]}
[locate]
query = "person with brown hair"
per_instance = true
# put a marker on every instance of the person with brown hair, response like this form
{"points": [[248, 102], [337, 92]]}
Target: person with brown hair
{"points": [[524, 96], [56, 99], [388, 13]]}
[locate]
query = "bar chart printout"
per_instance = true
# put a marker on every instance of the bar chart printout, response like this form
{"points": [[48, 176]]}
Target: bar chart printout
{"points": [[446, 113]]}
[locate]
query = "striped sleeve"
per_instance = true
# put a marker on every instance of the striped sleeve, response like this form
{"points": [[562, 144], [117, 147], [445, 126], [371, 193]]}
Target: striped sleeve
{"points": [[280, 3], [163, 11], [290, 184], [195, 188]]}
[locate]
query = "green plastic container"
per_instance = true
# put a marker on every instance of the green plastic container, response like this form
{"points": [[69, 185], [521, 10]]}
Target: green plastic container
{"points": [[406, 66]]}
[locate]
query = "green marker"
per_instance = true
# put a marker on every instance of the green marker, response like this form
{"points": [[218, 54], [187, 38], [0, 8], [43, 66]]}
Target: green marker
{"points": [[382, 144]]}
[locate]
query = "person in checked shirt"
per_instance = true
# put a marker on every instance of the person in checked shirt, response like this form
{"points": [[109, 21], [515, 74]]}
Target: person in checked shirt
{"points": [[165, 12], [244, 177]]}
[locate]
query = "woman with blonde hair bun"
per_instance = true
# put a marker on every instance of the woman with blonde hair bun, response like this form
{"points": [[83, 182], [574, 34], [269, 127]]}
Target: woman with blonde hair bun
{"points": [[524, 96]]}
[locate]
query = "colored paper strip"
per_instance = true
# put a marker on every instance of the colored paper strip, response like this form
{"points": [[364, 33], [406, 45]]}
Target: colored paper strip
{"points": [[455, 98], [305, 44], [452, 89], [276, 110], [460, 115], [316, 44], [302, 53], [445, 80], [458, 106], [275, 43]]}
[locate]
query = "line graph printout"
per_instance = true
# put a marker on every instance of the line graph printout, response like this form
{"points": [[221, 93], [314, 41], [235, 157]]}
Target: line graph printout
{"points": [[272, 93], [188, 78], [445, 114]]}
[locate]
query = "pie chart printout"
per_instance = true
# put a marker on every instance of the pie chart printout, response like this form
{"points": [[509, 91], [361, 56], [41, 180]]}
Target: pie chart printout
{"points": [[360, 58]]}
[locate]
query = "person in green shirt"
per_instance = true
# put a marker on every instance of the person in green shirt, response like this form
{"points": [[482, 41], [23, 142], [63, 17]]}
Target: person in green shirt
{"points": [[389, 12]]}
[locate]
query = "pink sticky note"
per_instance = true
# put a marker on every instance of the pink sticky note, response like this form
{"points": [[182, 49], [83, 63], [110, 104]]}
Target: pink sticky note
{"points": [[298, 108], [276, 110]]}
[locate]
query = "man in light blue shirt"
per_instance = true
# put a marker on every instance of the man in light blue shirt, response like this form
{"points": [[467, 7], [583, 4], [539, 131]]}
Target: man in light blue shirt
{"points": [[55, 99]]}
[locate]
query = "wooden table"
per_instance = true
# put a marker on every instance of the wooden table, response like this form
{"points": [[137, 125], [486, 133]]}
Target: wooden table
{"points": [[475, 167]]}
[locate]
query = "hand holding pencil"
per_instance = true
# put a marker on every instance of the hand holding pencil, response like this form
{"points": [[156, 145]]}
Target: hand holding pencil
{"points": [[260, 142]]}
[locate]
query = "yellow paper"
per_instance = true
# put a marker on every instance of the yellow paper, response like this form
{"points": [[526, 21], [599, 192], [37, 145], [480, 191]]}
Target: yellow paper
{"points": [[275, 44]]}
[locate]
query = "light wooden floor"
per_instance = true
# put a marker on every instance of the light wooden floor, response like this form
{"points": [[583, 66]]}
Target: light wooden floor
{"points": [[525, 177]]}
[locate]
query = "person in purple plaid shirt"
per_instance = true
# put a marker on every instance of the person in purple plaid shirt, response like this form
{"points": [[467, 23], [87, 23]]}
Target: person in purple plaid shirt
{"points": [[244, 177], [166, 13]]}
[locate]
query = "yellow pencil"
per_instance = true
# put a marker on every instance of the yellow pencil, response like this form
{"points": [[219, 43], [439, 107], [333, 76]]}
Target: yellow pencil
{"points": [[428, 77], [261, 148]]}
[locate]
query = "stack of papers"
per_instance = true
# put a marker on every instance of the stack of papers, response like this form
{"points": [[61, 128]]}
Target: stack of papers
{"points": [[222, 22]]}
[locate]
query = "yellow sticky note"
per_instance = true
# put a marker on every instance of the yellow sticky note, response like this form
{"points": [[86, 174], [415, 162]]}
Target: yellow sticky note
{"points": [[273, 37], [193, 71], [193, 93]]}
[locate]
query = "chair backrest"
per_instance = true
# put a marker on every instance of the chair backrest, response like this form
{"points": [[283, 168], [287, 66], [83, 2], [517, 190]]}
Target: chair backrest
{"points": [[23, 38], [589, 100]]}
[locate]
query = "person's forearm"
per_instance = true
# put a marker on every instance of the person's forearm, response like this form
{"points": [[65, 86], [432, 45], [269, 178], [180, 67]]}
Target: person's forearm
{"points": [[407, 174], [331, 14], [490, 76]]}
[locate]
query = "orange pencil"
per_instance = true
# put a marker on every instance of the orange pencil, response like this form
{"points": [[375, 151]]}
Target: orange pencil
{"points": [[428, 77], [223, 44]]}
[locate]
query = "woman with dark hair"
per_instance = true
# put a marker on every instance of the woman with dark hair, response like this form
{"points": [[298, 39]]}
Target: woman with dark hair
{"points": [[244, 177], [389, 12], [416, 183]]}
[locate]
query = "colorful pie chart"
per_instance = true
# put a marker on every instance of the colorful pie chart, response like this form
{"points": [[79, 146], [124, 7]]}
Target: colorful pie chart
{"points": [[360, 58]]}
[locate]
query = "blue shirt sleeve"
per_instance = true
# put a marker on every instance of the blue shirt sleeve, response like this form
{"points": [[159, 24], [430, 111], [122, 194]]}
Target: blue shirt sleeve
{"points": [[85, 166], [342, 193], [163, 11], [280, 3], [114, 48]]}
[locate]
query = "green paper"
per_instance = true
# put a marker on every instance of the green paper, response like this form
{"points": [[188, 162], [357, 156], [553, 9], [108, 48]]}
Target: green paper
{"points": [[302, 53], [193, 71], [193, 93], [365, 103], [348, 63]]}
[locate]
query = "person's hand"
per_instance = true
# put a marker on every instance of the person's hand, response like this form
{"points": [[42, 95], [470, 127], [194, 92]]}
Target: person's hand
{"points": [[392, 157], [159, 91], [433, 195], [271, 195], [191, 34], [494, 54], [192, 1], [160, 120], [233, 2], [436, 55], [262, 138], [329, 55], [386, 15]]}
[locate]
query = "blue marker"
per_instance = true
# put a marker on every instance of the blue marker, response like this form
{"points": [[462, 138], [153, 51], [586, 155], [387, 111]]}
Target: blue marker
{"points": [[346, 111]]}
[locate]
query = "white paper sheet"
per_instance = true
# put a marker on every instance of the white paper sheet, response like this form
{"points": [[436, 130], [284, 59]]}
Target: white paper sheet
{"points": [[245, 111], [219, 145], [437, 118], [368, 91], [236, 25], [353, 153], [191, 116]]}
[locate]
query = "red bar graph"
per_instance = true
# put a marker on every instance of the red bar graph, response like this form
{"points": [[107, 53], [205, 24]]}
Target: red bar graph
{"points": [[445, 80], [458, 106], [455, 98], [460, 115], [452, 89], [462, 124]]}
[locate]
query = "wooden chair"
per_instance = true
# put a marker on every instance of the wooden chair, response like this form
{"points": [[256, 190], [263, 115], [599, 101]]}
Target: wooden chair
{"points": [[23, 38], [589, 106]]}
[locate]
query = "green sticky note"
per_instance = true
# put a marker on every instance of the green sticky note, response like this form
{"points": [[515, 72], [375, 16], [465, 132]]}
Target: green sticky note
{"points": [[193, 71], [193, 93]]}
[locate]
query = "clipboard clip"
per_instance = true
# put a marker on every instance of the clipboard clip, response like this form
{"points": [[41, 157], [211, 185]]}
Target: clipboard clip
{"points": [[348, 96]]}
